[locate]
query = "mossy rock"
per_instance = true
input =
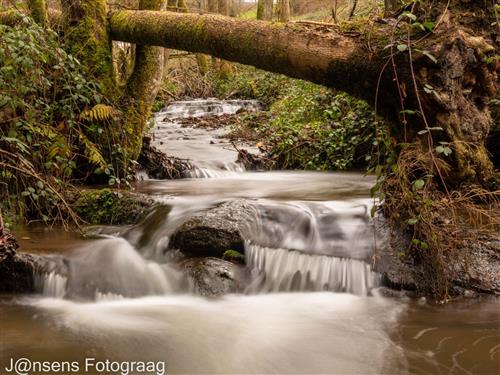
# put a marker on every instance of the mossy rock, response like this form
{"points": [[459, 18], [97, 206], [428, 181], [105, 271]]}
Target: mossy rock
{"points": [[234, 256], [111, 207]]}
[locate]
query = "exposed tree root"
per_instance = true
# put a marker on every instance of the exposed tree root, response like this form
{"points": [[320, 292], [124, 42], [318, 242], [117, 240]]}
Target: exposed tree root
{"points": [[442, 228]]}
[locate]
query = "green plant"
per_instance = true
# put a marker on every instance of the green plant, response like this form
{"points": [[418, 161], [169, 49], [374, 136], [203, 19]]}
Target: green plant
{"points": [[316, 128], [48, 134]]}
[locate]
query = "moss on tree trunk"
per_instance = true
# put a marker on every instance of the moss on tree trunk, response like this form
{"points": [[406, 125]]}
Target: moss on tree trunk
{"points": [[38, 11], [265, 10], [141, 90], [87, 38]]}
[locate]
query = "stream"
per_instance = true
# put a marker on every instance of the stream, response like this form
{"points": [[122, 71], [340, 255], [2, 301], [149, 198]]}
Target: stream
{"points": [[311, 302]]}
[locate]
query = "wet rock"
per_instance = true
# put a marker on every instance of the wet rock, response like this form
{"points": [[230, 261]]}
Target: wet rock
{"points": [[158, 165], [212, 277], [214, 231], [17, 270], [391, 260], [473, 268], [479, 270]]}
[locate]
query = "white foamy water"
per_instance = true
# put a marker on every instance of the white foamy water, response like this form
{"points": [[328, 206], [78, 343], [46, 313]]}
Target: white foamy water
{"points": [[208, 107], [274, 333], [215, 170], [111, 267], [53, 284], [209, 152], [281, 270]]}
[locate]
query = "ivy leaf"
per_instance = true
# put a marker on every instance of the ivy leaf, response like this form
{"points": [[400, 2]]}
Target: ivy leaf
{"points": [[402, 47], [411, 16], [429, 25], [419, 25], [419, 184], [413, 221], [430, 56], [439, 149], [409, 112]]}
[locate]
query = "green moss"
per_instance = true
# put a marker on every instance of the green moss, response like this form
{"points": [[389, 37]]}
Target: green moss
{"points": [[140, 92], [233, 256], [109, 207], [38, 12], [89, 41]]}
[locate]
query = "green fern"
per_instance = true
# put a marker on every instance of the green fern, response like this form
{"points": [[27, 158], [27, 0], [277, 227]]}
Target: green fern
{"points": [[100, 112]]}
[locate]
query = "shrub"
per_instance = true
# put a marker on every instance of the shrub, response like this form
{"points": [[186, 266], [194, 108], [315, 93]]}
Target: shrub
{"points": [[44, 138]]}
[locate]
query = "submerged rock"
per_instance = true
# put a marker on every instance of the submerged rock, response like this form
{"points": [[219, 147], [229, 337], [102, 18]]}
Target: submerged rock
{"points": [[212, 277], [211, 233]]}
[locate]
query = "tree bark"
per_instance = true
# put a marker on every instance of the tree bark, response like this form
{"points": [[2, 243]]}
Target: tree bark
{"points": [[38, 11], [284, 10], [89, 40], [346, 63], [141, 89], [265, 10]]}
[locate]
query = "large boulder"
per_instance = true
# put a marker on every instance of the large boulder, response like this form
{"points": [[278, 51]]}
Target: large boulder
{"points": [[211, 233], [476, 268]]}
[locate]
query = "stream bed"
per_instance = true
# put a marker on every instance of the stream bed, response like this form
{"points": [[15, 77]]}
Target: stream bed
{"points": [[311, 302]]}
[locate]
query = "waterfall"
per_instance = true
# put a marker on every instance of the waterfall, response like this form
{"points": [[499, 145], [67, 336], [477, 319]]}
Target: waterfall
{"points": [[208, 107], [276, 270], [53, 285], [215, 170]]}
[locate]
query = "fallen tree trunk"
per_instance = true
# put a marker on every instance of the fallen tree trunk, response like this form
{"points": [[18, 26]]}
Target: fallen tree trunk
{"points": [[290, 49]]}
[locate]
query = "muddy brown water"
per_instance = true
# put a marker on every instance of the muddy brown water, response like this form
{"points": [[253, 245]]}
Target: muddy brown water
{"points": [[299, 317]]}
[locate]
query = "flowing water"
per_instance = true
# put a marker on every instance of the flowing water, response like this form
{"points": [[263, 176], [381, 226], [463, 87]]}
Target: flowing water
{"points": [[311, 303]]}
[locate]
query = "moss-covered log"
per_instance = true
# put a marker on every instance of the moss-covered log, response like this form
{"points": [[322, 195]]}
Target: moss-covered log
{"points": [[290, 49]]}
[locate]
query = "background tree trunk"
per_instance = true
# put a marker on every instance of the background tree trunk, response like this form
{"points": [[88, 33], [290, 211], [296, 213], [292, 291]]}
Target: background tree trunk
{"points": [[284, 10], [213, 6], [265, 10], [223, 7], [38, 12]]}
